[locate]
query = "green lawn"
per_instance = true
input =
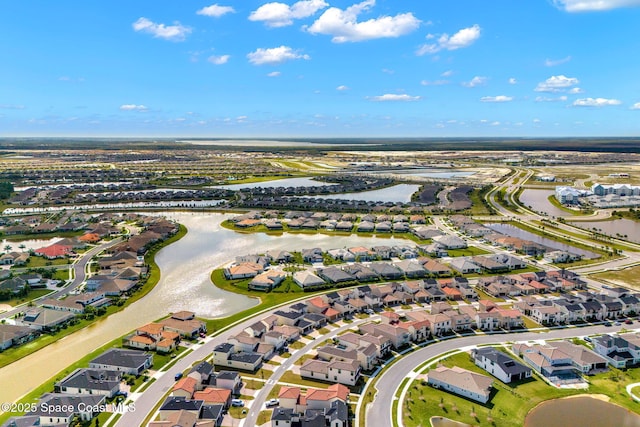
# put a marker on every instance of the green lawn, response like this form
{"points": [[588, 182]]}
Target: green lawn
{"points": [[38, 261], [470, 251], [510, 403], [33, 294]]}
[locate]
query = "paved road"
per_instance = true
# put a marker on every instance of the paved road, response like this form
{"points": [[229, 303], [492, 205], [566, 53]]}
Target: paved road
{"points": [[80, 274], [258, 403], [379, 413], [146, 401]]}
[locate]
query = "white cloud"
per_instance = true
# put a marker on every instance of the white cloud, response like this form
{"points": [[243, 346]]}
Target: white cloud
{"points": [[215, 10], [176, 32], [133, 107], [447, 73], [553, 62], [11, 107], [595, 102], [274, 74], [513, 81], [394, 97], [593, 5], [280, 15], [275, 55], [387, 71], [495, 123], [636, 106], [549, 99], [575, 90], [434, 82], [499, 98], [556, 84], [343, 25], [342, 88], [219, 59], [463, 38], [476, 81]]}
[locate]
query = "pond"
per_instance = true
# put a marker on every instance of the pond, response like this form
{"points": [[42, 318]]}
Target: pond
{"points": [[513, 231], [623, 227], [17, 245], [538, 200], [400, 193], [580, 411]]}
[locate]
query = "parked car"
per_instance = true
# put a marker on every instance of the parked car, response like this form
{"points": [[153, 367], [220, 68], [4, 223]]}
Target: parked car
{"points": [[587, 339], [628, 322], [272, 402], [178, 376], [617, 323], [237, 402]]}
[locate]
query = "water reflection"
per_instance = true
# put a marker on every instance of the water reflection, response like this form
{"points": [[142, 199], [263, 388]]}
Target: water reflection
{"points": [[512, 230]]}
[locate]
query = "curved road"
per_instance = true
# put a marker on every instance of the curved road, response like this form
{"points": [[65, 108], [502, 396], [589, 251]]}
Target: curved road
{"points": [[80, 274], [380, 414]]}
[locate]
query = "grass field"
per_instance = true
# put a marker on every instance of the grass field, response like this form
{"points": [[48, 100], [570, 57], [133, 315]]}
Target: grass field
{"points": [[33, 294], [509, 403], [627, 277]]}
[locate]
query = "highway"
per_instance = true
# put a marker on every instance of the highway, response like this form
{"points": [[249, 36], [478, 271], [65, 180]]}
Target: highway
{"points": [[380, 414]]}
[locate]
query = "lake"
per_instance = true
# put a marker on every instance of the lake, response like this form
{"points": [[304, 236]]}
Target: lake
{"points": [[286, 182], [580, 411], [621, 226], [427, 172], [512, 230], [185, 284], [538, 200], [400, 193]]}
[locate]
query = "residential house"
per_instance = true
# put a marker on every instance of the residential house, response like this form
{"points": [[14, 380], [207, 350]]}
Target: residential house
{"points": [[90, 381], [462, 382], [132, 362], [500, 365]]}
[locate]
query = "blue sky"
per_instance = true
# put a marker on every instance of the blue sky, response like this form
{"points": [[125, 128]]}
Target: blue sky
{"points": [[320, 68]]}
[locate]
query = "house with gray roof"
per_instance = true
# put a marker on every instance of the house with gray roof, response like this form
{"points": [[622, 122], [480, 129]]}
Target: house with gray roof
{"points": [[500, 365], [450, 241], [361, 272], [12, 335], [621, 350], [334, 275], [464, 265], [45, 319], [306, 279], [133, 362], [61, 409], [90, 381], [386, 270], [411, 268]]}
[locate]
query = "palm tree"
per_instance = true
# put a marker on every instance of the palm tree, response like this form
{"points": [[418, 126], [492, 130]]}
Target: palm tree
{"points": [[7, 248], [22, 246]]}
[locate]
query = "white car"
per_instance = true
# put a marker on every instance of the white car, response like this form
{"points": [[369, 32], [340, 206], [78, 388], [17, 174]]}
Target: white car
{"points": [[237, 402], [272, 402]]}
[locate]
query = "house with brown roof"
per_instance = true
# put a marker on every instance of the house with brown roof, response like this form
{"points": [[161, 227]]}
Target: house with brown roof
{"points": [[347, 372], [214, 396], [185, 387]]}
